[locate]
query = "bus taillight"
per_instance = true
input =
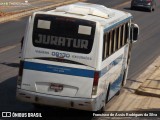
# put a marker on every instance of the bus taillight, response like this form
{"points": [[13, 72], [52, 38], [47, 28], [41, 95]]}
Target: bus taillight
{"points": [[95, 83], [19, 80]]}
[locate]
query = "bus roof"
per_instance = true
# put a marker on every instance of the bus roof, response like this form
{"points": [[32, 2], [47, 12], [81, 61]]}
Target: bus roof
{"points": [[94, 12]]}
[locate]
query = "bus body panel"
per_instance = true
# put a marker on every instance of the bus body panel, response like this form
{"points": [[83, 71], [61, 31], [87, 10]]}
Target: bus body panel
{"points": [[48, 79], [112, 72]]}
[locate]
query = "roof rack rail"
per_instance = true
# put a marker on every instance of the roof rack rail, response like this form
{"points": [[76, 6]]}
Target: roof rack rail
{"points": [[86, 9]]}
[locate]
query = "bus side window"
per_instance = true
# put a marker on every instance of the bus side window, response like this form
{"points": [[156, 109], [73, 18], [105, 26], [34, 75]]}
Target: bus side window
{"points": [[112, 41], [124, 30], [126, 33], [115, 32], [117, 38], [122, 36], [104, 46]]}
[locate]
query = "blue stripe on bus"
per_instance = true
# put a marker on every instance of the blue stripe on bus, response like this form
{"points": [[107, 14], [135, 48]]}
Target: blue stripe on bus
{"points": [[69, 70], [58, 69], [111, 65]]}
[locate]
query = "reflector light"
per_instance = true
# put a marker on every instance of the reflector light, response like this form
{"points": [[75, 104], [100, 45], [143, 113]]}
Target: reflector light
{"points": [[96, 78], [95, 83]]}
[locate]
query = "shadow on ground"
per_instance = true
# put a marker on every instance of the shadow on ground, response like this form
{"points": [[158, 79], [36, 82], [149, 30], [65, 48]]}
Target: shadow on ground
{"points": [[11, 64], [8, 100], [9, 103]]}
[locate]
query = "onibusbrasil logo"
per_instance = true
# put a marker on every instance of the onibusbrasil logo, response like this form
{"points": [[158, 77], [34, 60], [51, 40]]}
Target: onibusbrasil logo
{"points": [[22, 115]]}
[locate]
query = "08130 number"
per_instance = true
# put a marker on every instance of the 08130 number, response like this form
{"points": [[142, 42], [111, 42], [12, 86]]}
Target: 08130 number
{"points": [[60, 55]]}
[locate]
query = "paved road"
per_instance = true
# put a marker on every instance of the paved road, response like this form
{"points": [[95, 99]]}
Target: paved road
{"points": [[144, 52], [21, 5]]}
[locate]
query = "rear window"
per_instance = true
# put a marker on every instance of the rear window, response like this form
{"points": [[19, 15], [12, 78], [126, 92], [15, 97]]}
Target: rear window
{"points": [[63, 33]]}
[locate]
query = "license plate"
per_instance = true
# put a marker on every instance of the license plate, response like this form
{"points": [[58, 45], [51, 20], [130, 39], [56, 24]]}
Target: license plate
{"points": [[56, 87]]}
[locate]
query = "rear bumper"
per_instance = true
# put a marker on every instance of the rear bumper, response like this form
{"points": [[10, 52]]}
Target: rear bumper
{"points": [[141, 6], [59, 101]]}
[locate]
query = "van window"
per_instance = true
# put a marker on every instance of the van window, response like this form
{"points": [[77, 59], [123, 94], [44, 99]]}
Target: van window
{"points": [[63, 33]]}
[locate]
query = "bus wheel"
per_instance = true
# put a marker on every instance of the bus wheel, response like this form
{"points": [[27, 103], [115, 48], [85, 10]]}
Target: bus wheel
{"points": [[118, 92], [124, 78], [106, 100], [123, 81]]}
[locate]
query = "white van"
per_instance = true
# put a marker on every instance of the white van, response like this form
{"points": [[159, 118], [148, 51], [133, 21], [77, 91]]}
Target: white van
{"points": [[75, 56]]}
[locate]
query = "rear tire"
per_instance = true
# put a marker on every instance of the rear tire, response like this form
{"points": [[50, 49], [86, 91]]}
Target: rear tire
{"points": [[123, 81], [151, 9], [102, 109], [124, 78], [106, 100], [154, 8], [118, 92]]}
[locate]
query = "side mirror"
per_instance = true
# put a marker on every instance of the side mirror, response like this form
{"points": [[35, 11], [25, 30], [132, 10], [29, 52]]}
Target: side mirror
{"points": [[134, 32]]}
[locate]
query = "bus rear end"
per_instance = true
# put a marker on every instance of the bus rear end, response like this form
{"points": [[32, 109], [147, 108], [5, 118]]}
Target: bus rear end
{"points": [[58, 65]]}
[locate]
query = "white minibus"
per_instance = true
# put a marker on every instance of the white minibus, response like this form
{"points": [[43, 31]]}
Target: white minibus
{"points": [[75, 56]]}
